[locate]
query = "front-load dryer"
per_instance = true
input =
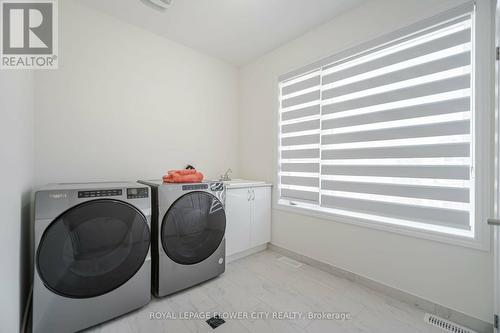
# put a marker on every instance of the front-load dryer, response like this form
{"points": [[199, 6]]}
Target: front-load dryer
{"points": [[92, 254], [188, 228]]}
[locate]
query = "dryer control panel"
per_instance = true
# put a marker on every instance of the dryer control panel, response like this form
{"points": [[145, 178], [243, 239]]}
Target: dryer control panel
{"points": [[137, 193], [99, 193]]}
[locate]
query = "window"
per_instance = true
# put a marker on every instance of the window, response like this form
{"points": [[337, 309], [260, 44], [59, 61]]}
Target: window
{"points": [[385, 133]]}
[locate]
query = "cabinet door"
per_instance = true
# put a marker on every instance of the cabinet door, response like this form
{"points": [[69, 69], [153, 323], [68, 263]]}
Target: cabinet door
{"points": [[260, 232], [238, 216]]}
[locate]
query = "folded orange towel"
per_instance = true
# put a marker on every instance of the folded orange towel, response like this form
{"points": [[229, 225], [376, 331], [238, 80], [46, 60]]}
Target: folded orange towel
{"points": [[183, 171], [183, 176]]}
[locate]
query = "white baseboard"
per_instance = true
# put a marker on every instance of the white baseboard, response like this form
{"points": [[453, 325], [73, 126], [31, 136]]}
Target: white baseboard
{"points": [[421, 303], [246, 253]]}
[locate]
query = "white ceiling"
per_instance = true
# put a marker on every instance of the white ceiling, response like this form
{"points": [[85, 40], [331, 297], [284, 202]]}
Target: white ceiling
{"points": [[236, 31]]}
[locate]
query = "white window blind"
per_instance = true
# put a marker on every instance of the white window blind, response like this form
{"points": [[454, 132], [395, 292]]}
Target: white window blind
{"points": [[385, 134]]}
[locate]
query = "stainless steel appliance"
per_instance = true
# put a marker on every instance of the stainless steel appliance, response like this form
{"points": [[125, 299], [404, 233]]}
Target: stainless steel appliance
{"points": [[188, 230], [92, 254]]}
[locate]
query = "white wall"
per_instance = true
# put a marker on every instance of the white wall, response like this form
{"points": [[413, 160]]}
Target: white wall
{"points": [[456, 277], [16, 167], [121, 106], [127, 104]]}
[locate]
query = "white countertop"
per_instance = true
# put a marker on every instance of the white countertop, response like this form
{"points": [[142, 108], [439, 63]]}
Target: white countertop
{"points": [[242, 183]]}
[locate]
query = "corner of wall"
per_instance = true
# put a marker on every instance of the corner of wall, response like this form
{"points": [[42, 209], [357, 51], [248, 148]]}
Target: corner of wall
{"points": [[17, 146]]}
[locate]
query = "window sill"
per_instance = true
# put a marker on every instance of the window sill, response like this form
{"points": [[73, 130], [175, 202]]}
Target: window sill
{"points": [[458, 240]]}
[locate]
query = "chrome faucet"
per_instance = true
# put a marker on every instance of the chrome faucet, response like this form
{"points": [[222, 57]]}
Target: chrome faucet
{"points": [[226, 175]]}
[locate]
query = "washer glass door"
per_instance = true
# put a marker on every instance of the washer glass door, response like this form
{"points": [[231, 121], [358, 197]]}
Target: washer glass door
{"points": [[93, 248], [193, 228]]}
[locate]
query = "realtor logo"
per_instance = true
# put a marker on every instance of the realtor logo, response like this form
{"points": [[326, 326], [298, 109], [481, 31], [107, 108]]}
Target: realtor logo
{"points": [[29, 34]]}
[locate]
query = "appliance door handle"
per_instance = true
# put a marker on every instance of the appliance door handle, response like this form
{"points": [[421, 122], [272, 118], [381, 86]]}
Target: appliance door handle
{"points": [[494, 221], [249, 195], [253, 195]]}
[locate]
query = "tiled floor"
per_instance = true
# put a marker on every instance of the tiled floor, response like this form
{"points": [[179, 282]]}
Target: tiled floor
{"points": [[261, 284]]}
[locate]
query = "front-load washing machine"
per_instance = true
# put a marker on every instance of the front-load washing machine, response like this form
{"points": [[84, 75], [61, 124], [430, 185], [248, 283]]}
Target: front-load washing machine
{"points": [[188, 227], [92, 254]]}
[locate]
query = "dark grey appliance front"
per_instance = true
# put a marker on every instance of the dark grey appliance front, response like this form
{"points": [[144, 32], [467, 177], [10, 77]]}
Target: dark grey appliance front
{"points": [[188, 234]]}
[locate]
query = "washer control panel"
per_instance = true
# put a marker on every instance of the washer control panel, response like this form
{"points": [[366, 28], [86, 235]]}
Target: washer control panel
{"points": [[99, 193], [137, 193], [194, 187]]}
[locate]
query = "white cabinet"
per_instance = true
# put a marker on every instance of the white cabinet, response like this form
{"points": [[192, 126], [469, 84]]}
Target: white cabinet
{"points": [[260, 225], [248, 218], [238, 219]]}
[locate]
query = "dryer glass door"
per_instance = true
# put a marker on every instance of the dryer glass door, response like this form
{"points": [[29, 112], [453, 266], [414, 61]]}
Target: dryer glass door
{"points": [[93, 248], [193, 228]]}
